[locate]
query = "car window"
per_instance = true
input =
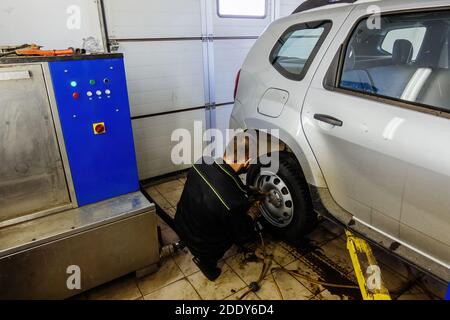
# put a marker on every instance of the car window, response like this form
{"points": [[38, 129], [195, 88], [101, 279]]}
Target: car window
{"points": [[414, 35], [297, 47], [406, 59]]}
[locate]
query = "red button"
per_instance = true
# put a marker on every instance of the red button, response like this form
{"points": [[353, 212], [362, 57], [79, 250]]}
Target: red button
{"points": [[100, 128], [75, 95]]}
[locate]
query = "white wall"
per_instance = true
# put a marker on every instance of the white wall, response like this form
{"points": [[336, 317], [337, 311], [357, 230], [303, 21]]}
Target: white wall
{"points": [[288, 6], [44, 22]]}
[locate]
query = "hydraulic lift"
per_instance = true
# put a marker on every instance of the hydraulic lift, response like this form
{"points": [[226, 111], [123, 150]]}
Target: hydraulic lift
{"points": [[371, 286]]}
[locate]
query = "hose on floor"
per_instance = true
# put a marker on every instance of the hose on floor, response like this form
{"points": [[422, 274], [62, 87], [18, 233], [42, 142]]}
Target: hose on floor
{"points": [[256, 286]]}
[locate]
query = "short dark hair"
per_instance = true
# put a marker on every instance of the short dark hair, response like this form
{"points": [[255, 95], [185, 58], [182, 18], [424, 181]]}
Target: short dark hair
{"points": [[238, 150]]}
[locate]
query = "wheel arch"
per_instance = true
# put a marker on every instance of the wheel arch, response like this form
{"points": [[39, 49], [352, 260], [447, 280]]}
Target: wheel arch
{"points": [[288, 142]]}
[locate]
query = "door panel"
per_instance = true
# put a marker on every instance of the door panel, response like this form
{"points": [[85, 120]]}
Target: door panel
{"points": [[153, 141], [358, 163], [240, 26], [228, 59], [160, 79], [32, 178], [153, 19], [233, 39], [165, 66]]}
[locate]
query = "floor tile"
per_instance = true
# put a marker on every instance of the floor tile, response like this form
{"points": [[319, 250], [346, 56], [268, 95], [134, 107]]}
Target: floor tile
{"points": [[327, 295], [336, 251], [320, 236], [121, 289], [162, 224], [435, 287], [332, 227], [152, 191], [162, 202], [226, 285], [184, 261], [280, 255], [393, 262], [231, 252], [171, 212], [249, 271], [169, 236], [290, 288], [173, 197], [391, 279], [167, 274], [248, 297], [180, 290], [309, 270], [416, 293], [169, 186]]}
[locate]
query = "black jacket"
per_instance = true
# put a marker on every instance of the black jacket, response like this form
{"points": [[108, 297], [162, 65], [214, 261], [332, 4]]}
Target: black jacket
{"points": [[212, 212]]}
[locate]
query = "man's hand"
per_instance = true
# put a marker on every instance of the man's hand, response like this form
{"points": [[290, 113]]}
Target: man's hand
{"points": [[254, 211], [256, 195]]}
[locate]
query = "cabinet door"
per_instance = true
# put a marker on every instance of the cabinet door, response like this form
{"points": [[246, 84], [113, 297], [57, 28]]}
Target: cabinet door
{"points": [[32, 178]]}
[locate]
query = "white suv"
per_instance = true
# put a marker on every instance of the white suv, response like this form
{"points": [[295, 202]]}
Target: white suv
{"points": [[360, 94]]}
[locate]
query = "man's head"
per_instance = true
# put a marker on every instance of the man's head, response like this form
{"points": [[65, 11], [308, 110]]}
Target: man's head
{"points": [[240, 152]]}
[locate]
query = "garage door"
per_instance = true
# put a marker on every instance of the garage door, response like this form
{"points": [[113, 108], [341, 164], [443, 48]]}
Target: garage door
{"points": [[181, 60], [162, 44]]}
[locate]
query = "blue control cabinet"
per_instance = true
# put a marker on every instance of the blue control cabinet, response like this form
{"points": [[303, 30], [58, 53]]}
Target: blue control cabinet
{"points": [[93, 107]]}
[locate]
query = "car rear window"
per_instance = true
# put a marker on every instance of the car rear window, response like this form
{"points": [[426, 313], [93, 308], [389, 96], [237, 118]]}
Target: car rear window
{"points": [[295, 50]]}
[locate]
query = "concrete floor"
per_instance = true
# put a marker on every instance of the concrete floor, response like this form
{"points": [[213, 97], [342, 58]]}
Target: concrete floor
{"points": [[325, 258]]}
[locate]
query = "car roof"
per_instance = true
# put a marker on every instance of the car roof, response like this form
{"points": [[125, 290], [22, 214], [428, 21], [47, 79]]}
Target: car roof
{"points": [[383, 4]]}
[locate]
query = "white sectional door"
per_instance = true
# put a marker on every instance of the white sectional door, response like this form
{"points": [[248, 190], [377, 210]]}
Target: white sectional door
{"points": [[232, 36], [181, 59], [164, 58]]}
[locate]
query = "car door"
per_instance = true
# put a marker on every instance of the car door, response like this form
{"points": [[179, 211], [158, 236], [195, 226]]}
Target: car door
{"points": [[378, 128]]}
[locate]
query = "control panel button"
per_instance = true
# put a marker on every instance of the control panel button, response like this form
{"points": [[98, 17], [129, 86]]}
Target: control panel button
{"points": [[89, 94], [92, 82], [75, 95], [98, 92], [107, 91], [99, 128], [106, 81], [73, 84]]}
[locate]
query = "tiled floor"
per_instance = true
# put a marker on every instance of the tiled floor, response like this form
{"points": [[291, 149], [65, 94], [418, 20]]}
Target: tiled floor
{"points": [[325, 258]]}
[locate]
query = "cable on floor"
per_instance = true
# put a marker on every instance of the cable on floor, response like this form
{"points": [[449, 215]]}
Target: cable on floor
{"points": [[256, 286]]}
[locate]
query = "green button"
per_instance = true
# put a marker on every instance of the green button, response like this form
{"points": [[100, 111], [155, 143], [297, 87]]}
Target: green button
{"points": [[74, 84], [92, 82]]}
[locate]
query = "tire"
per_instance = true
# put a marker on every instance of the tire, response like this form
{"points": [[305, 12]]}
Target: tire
{"points": [[301, 218]]}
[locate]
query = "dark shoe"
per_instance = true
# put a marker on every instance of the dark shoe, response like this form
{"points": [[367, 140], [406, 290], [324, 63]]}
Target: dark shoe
{"points": [[209, 270]]}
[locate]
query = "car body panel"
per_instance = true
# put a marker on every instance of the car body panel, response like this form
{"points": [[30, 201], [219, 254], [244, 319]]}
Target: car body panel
{"points": [[387, 166]]}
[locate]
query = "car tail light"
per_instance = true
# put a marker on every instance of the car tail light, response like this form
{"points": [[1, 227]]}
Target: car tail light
{"points": [[236, 83]]}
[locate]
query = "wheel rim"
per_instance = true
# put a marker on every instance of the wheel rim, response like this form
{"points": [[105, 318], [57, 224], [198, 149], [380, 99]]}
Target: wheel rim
{"points": [[278, 208]]}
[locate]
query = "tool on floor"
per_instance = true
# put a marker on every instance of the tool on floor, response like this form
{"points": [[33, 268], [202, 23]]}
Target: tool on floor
{"points": [[168, 250], [361, 255]]}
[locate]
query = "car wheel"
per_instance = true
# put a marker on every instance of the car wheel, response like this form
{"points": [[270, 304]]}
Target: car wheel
{"points": [[287, 211]]}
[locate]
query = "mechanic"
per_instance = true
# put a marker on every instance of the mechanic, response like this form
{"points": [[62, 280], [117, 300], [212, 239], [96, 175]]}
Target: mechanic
{"points": [[213, 212]]}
